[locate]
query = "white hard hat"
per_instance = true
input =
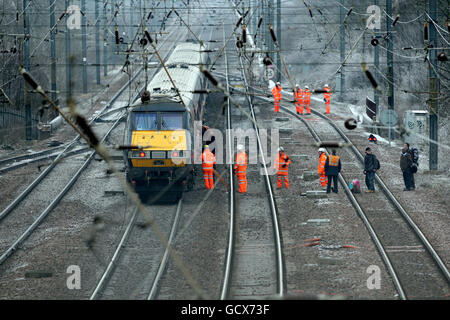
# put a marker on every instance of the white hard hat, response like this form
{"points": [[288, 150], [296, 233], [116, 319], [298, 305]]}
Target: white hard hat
{"points": [[322, 150], [306, 87], [326, 86], [240, 147], [278, 83], [280, 149], [297, 85]]}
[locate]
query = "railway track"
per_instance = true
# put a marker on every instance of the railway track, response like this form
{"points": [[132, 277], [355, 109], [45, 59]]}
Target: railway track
{"points": [[144, 252], [252, 256], [147, 253], [232, 193], [409, 257], [49, 155], [40, 186], [396, 239]]}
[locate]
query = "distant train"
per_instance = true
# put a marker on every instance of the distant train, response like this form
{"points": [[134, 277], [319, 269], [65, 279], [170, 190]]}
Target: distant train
{"points": [[164, 125]]}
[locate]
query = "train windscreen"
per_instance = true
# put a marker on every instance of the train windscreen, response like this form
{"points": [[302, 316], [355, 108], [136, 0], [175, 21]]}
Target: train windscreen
{"points": [[146, 121], [172, 121]]}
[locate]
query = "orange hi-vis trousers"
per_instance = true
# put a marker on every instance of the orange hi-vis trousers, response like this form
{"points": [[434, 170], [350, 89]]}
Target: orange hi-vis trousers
{"points": [[282, 178], [276, 104], [323, 180], [307, 105], [208, 176], [242, 180], [299, 106]]}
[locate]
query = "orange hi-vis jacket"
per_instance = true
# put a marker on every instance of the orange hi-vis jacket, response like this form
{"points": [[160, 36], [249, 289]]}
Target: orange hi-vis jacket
{"points": [[327, 95], [240, 167], [281, 164], [307, 96], [276, 91], [208, 159], [322, 160], [299, 95], [333, 161], [240, 164], [321, 169]]}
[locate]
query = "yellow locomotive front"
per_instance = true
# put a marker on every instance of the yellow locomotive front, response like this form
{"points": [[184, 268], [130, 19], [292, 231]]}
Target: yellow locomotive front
{"points": [[163, 132]]}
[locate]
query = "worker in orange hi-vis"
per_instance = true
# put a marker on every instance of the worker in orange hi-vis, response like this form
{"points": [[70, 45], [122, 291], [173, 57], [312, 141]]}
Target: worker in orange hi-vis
{"points": [[321, 167], [307, 99], [327, 98], [298, 97], [208, 162], [276, 91], [240, 168], [281, 164]]}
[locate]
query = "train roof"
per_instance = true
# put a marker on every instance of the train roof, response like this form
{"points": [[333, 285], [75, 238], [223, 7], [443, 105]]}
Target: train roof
{"points": [[183, 67]]}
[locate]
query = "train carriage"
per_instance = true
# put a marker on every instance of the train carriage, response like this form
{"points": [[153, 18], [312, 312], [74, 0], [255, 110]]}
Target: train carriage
{"points": [[164, 125]]}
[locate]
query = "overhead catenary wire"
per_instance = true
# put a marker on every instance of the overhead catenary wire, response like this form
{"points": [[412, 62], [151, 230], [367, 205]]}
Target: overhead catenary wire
{"points": [[337, 30]]}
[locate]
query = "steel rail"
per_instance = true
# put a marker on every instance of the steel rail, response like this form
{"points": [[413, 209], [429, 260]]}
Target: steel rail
{"points": [[30, 156], [112, 263], [271, 197], [53, 204], [42, 158], [163, 264], [231, 199]]}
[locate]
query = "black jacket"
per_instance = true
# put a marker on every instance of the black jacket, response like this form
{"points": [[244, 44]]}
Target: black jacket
{"points": [[370, 162], [332, 170]]}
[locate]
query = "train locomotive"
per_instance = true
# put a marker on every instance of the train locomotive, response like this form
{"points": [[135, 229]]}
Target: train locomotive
{"points": [[163, 125]]}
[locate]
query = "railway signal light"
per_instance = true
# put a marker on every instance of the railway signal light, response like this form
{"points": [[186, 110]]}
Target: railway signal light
{"points": [[373, 139]]}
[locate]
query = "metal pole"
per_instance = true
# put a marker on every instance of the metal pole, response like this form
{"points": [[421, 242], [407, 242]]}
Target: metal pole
{"points": [[112, 42], [255, 16], [390, 63], [84, 45], [433, 87], [279, 39], [52, 50], [271, 20], [342, 50], [376, 57], [131, 21], [27, 65], [68, 52], [105, 46], [266, 29], [97, 42]]}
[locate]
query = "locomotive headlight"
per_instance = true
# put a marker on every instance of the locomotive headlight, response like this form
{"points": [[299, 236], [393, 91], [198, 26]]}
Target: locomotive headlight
{"points": [[138, 154], [176, 154]]}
